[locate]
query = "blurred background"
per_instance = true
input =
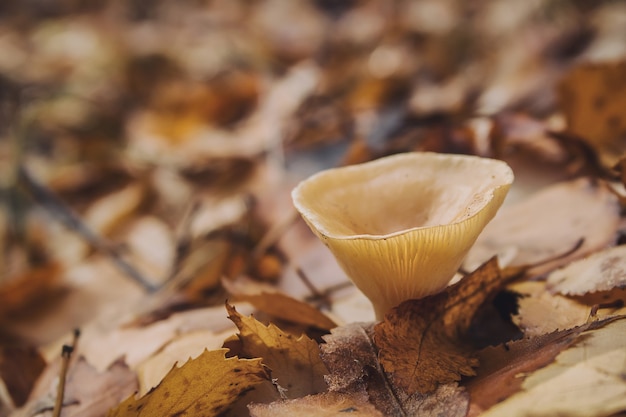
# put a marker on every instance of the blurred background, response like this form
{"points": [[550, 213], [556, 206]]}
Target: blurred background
{"points": [[164, 137]]}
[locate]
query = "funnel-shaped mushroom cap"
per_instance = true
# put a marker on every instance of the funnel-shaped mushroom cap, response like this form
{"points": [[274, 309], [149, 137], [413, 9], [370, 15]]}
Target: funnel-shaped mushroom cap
{"points": [[400, 226]]}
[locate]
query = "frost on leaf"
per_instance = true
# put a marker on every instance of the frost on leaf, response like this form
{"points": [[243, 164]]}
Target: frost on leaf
{"points": [[352, 360], [420, 342], [294, 361], [205, 386]]}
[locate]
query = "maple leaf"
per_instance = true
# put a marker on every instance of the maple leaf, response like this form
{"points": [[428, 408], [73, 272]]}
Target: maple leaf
{"points": [[205, 386], [419, 341], [295, 362]]}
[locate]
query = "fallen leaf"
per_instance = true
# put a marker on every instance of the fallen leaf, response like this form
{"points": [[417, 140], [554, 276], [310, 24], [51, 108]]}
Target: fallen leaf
{"points": [[205, 386], [586, 379], [419, 341], [188, 346], [105, 214], [19, 369], [593, 98], [31, 292], [327, 404], [540, 312], [88, 392], [151, 247], [102, 343], [279, 305], [352, 359], [498, 376], [549, 223], [295, 362], [601, 271]]}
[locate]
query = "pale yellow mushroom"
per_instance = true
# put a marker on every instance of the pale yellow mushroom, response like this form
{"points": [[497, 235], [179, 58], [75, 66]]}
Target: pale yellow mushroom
{"points": [[400, 226]]}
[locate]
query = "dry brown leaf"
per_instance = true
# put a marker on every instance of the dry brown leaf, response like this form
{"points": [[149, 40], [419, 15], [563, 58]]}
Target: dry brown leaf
{"points": [[352, 360], [104, 341], [288, 309], [282, 306], [88, 392], [295, 362], [188, 346], [205, 386], [419, 340], [327, 404], [593, 98], [19, 369], [602, 271], [105, 214], [540, 312], [150, 244], [498, 376], [31, 292], [586, 379], [550, 223]]}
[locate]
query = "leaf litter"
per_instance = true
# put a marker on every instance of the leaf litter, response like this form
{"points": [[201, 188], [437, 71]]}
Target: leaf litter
{"points": [[158, 175]]}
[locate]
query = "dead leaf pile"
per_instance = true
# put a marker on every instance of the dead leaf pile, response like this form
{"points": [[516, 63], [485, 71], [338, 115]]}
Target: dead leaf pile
{"points": [[147, 155]]}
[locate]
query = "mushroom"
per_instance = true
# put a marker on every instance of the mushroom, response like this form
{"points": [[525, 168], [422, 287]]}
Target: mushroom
{"points": [[400, 226]]}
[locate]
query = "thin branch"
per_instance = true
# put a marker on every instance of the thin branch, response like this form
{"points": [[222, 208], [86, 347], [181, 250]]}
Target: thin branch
{"points": [[66, 355], [72, 221]]}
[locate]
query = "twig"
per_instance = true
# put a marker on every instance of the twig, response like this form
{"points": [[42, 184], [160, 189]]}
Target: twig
{"points": [[65, 215], [273, 234], [322, 298], [518, 270], [66, 355]]}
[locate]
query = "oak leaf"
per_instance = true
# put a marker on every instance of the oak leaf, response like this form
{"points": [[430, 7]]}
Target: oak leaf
{"points": [[205, 386], [294, 361], [419, 341]]}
